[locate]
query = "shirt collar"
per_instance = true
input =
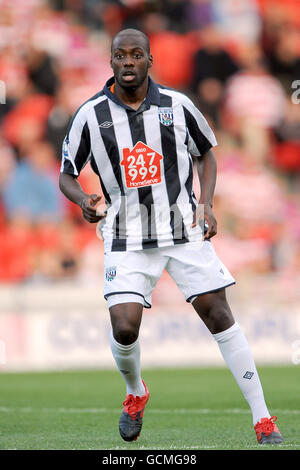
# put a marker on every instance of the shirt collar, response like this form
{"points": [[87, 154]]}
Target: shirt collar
{"points": [[152, 96]]}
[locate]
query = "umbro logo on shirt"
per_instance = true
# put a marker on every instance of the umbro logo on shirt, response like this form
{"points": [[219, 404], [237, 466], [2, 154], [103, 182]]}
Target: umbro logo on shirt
{"points": [[106, 124]]}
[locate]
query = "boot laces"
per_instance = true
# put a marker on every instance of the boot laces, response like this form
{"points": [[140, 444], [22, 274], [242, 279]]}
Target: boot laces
{"points": [[133, 405], [267, 425]]}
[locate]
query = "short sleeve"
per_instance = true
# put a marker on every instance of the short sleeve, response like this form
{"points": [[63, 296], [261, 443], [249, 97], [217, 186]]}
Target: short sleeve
{"points": [[200, 136], [76, 149]]}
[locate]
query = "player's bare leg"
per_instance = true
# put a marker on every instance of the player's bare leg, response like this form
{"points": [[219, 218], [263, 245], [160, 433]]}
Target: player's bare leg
{"points": [[215, 312], [126, 320]]}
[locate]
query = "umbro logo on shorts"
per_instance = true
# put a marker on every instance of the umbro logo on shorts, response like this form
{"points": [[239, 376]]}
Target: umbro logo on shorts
{"points": [[106, 124]]}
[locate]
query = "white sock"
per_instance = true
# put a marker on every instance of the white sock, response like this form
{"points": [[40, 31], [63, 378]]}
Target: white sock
{"points": [[238, 357], [127, 358]]}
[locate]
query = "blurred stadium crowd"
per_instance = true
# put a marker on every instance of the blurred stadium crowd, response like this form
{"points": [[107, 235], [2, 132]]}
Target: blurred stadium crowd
{"points": [[237, 59]]}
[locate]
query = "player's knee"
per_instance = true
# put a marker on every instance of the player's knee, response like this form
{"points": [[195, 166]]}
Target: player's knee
{"points": [[126, 334], [220, 318], [215, 312]]}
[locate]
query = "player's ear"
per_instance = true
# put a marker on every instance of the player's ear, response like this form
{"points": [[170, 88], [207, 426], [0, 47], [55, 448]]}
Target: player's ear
{"points": [[150, 60], [111, 62]]}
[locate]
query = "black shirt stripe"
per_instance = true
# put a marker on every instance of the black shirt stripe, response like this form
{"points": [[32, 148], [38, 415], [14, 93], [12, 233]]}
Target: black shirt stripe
{"points": [[95, 169], [168, 144], [84, 148], [202, 143], [189, 186], [103, 114]]}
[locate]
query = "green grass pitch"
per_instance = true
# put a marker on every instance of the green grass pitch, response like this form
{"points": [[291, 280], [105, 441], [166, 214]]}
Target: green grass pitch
{"points": [[188, 409]]}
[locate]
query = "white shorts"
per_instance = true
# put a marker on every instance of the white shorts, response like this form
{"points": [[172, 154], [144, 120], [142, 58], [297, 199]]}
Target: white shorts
{"points": [[131, 276]]}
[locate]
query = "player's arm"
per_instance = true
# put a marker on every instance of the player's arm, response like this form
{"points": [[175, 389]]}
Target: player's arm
{"points": [[207, 173], [76, 153], [200, 141], [72, 189]]}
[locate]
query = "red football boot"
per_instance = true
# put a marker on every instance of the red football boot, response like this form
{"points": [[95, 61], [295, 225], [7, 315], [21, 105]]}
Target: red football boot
{"points": [[267, 432], [131, 419]]}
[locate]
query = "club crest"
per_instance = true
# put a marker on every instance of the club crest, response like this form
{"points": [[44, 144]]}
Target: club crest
{"points": [[165, 116], [110, 273]]}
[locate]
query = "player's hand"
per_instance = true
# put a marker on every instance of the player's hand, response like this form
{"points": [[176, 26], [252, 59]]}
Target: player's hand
{"points": [[209, 218], [89, 210], [211, 222]]}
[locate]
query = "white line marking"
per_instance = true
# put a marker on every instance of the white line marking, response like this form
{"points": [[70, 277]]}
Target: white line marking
{"points": [[174, 448], [257, 446], [175, 411]]}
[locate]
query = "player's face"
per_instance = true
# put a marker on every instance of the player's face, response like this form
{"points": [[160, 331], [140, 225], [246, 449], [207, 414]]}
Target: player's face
{"points": [[130, 61]]}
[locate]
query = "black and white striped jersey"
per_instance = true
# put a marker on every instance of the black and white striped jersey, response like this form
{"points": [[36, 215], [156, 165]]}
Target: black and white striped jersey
{"points": [[143, 160]]}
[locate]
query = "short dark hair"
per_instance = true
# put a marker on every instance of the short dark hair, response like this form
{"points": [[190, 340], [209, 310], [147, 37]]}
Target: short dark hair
{"points": [[132, 31]]}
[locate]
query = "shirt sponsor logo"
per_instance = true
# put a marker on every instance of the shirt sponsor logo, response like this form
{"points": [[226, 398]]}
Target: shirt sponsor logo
{"points": [[165, 116], [141, 165]]}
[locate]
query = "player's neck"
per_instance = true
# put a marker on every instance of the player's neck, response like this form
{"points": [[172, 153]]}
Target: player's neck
{"points": [[132, 97]]}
